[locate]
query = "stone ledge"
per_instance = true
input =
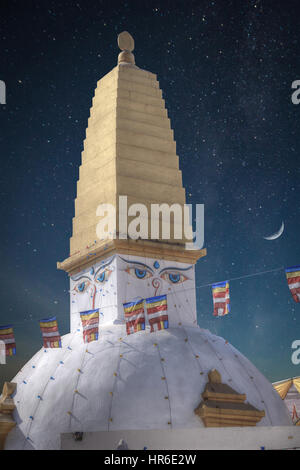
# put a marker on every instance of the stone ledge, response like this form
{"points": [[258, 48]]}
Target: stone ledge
{"points": [[75, 263]]}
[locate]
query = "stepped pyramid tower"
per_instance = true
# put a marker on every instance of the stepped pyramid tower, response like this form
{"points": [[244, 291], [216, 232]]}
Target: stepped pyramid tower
{"points": [[135, 364], [130, 151]]}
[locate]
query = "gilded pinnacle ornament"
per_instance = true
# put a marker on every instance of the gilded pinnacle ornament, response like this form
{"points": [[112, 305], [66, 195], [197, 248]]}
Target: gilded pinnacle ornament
{"points": [[126, 44]]}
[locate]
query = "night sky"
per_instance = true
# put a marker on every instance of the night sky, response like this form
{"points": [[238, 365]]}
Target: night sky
{"points": [[226, 70]]}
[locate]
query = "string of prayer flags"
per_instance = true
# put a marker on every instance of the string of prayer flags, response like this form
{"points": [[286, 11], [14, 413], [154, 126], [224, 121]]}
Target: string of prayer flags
{"points": [[293, 279], [220, 292], [8, 338], [134, 316], [90, 325], [157, 313], [50, 333]]}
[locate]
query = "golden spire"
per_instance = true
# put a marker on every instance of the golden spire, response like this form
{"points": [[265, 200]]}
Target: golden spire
{"points": [[129, 150]]}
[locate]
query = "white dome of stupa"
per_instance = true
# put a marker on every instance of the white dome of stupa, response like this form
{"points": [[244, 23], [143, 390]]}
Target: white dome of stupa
{"points": [[141, 381]]}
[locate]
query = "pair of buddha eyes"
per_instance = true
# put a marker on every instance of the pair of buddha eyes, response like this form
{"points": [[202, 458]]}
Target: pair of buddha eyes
{"points": [[171, 276], [100, 278]]}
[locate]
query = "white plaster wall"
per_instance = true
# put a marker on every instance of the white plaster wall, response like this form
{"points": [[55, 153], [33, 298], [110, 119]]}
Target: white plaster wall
{"points": [[121, 284], [181, 297], [252, 438], [89, 291]]}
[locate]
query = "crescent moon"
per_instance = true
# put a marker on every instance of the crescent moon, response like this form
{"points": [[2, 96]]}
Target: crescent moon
{"points": [[276, 234]]}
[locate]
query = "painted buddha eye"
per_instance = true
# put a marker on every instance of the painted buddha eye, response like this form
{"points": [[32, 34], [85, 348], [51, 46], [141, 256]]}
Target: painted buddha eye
{"points": [[174, 277], [81, 287], [103, 276], [139, 273]]}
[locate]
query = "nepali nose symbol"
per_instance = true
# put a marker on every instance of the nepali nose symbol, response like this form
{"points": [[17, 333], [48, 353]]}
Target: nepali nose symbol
{"points": [[93, 294], [156, 284]]}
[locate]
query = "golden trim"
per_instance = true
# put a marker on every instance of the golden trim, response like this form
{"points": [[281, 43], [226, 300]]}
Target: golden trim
{"points": [[7, 407], [222, 406], [144, 248]]}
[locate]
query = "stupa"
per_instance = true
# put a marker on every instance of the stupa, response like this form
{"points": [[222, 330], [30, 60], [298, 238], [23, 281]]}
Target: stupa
{"points": [[167, 374]]}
